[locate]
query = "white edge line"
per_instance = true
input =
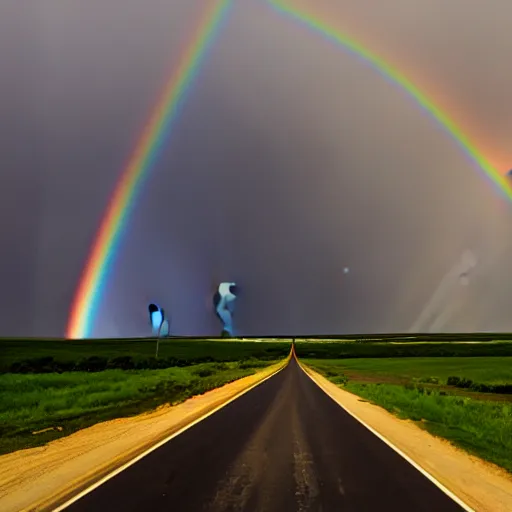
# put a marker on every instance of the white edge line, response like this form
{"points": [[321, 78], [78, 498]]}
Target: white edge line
{"points": [[161, 443], [395, 448]]}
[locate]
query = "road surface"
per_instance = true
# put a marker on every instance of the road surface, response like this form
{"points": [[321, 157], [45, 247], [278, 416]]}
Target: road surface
{"points": [[284, 446]]}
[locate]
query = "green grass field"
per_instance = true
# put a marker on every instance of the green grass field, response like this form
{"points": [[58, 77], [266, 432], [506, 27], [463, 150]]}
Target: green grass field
{"points": [[337, 350], [13, 351], [481, 427], [487, 370], [74, 400]]}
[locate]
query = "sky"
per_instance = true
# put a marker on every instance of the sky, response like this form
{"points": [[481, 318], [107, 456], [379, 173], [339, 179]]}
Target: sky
{"points": [[290, 161]]}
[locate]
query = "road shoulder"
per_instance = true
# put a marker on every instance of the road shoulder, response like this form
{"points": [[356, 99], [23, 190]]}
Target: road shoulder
{"points": [[39, 478], [482, 486]]}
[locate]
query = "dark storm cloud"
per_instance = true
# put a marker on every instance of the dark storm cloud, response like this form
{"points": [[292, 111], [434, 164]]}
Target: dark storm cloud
{"points": [[291, 160], [78, 80], [20, 198]]}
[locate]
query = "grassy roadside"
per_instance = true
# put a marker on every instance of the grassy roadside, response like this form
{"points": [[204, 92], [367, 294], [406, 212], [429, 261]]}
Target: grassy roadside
{"points": [[67, 402], [481, 427]]}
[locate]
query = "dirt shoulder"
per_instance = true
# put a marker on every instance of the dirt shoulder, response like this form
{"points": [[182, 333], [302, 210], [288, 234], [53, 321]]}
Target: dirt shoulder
{"points": [[482, 486], [39, 478]]}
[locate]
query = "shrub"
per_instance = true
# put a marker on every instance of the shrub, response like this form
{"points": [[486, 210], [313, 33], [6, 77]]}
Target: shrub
{"points": [[482, 388], [38, 365], [479, 387], [121, 363], [92, 364], [429, 380], [204, 372], [465, 383], [200, 360], [503, 388], [221, 366], [340, 380], [251, 363]]}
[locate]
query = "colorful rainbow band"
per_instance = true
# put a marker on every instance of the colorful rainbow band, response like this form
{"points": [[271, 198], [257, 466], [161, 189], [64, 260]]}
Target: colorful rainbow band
{"points": [[318, 26], [148, 148]]}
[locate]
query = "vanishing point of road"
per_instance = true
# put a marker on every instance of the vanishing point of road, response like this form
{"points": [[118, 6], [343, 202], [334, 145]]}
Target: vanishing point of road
{"points": [[283, 446]]}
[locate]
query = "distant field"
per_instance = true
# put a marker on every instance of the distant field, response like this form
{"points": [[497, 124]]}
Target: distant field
{"points": [[487, 370], [337, 350], [70, 401], [477, 337], [15, 351], [407, 388]]}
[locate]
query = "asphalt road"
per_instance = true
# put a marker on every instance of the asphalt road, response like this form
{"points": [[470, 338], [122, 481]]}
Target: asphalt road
{"points": [[284, 446]]}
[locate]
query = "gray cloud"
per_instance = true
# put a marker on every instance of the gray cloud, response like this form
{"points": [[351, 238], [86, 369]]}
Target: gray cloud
{"points": [[290, 161]]}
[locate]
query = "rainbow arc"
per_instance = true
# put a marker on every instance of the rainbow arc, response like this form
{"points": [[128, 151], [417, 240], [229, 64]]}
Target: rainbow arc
{"points": [[163, 118]]}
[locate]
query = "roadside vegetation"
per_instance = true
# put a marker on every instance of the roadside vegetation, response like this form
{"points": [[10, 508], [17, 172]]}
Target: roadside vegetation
{"points": [[422, 390], [360, 349], [37, 408], [47, 356], [51, 388], [435, 370]]}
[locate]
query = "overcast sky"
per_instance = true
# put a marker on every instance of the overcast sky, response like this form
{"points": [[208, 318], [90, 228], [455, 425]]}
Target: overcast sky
{"points": [[291, 160]]}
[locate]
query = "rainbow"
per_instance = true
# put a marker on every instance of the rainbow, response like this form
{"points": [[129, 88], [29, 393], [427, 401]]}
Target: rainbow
{"points": [[147, 149], [318, 26], [156, 132]]}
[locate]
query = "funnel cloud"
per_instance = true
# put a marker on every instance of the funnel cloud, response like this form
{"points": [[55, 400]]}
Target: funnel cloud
{"points": [[224, 304]]}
